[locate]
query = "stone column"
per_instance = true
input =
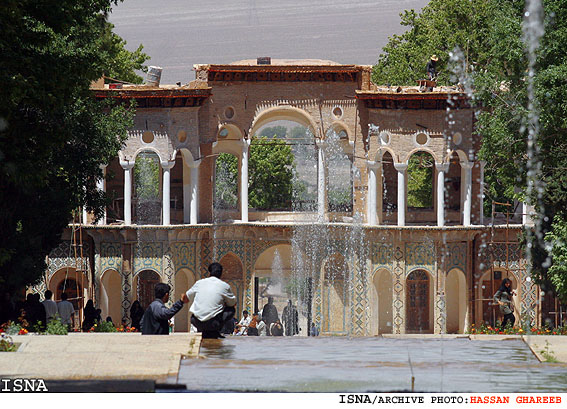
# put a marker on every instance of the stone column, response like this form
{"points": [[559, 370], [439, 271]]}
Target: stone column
{"points": [[442, 168], [372, 192], [194, 204], [127, 166], [245, 143], [482, 163], [401, 168], [166, 203], [321, 181], [101, 186], [467, 167]]}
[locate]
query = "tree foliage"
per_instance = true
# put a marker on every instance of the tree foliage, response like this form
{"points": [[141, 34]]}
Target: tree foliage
{"points": [[271, 174], [53, 134], [484, 38]]}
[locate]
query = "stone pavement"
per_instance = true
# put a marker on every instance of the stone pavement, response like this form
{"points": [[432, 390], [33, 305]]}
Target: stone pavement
{"points": [[99, 356]]}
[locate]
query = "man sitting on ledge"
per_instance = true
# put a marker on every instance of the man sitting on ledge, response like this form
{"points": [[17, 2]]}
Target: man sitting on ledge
{"points": [[213, 303]]}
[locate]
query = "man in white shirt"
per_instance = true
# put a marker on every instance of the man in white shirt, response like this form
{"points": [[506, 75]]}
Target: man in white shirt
{"points": [[66, 311], [50, 306], [242, 326], [213, 303]]}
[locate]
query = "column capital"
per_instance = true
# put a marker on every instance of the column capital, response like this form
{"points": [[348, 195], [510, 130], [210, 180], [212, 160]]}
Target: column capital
{"points": [[245, 143], [102, 167], [482, 163], [167, 165], [194, 164], [373, 165], [321, 143], [126, 164], [401, 167], [467, 165], [442, 167]]}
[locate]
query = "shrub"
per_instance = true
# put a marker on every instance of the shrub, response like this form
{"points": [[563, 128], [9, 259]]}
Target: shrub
{"points": [[56, 327], [104, 326]]}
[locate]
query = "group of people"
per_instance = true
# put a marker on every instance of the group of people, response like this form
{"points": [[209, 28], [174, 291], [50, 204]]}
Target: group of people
{"points": [[268, 322], [34, 314], [213, 311]]}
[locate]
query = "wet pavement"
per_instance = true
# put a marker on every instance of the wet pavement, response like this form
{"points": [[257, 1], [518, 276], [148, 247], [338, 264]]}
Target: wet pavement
{"points": [[337, 364]]}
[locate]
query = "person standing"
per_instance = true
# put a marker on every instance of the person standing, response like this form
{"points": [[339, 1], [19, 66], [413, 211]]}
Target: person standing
{"points": [[291, 319], [504, 299], [432, 68], [136, 314], [213, 303], [270, 313], [50, 306], [66, 312], [155, 320]]}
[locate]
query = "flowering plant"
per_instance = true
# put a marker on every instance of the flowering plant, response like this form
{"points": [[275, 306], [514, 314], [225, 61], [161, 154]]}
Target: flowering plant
{"points": [[509, 330], [6, 343]]}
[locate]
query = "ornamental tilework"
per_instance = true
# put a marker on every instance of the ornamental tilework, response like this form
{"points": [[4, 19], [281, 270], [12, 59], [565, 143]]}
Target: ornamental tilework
{"points": [[381, 255], [148, 256], [317, 304], [456, 256], [440, 315], [359, 302], [184, 256], [126, 295], [398, 303], [420, 255], [110, 257], [63, 256]]}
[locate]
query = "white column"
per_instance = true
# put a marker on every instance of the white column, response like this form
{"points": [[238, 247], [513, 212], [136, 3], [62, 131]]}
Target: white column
{"points": [[101, 186], [442, 168], [482, 163], [401, 169], [244, 180], [467, 167], [372, 192], [127, 166], [194, 204], [321, 181], [85, 215], [166, 199]]}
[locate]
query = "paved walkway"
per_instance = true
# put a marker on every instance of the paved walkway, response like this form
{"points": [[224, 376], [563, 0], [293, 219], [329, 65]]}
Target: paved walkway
{"points": [[99, 356], [133, 356]]}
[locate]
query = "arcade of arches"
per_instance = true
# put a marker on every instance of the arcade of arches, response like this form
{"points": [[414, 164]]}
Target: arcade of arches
{"points": [[411, 187]]}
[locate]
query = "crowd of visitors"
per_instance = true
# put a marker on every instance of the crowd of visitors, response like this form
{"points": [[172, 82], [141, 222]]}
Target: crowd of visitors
{"points": [[212, 308]]}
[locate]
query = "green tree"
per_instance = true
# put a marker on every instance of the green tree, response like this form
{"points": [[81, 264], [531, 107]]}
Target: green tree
{"points": [[488, 33], [119, 63], [53, 133], [271, 174], [420, 180]]}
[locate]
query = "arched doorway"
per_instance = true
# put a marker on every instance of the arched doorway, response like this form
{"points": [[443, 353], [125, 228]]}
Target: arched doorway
{"points": [[111, 296], [381, 322], [144, 283], [184, 279], [419, 302], [456, 303], [72, 283], [336, 295], [489, 284], [274, 277]]}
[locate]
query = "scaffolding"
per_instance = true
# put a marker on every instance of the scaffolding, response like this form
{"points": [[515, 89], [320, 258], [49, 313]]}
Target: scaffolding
{"points": [[80, 269]]}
